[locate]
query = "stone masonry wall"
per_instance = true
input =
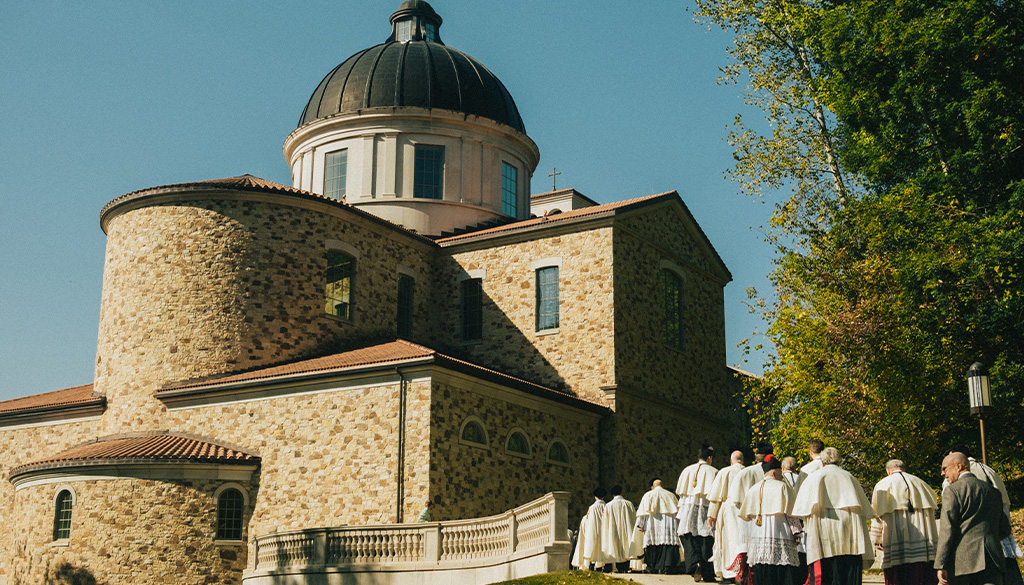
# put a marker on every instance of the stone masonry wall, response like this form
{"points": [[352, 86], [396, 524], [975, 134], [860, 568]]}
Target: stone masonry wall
{"points": [[581, 355], [202, 287], [328, 458], [673, 399], [124, 531], [25, 445], [469, 481]]}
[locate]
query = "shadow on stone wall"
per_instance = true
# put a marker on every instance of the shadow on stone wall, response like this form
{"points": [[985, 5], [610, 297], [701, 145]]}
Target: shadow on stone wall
{"points": [[66, 574]]}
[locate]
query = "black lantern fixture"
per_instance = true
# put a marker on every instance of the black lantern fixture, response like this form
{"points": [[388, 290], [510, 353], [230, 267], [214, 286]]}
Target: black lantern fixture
{"points": [[981, 399]]}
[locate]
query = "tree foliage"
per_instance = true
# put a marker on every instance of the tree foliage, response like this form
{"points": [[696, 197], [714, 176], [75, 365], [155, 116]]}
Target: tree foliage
{"points": [[897, 126]]}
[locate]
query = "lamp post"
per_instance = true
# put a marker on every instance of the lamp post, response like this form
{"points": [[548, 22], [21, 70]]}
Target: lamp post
{"points": [[981, 399]]}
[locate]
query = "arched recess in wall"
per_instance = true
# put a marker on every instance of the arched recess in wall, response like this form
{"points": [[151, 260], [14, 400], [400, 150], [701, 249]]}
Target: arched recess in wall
{"points": [[673, 312], [64, 499], [558, 453], [517, 443], [473, 433]]}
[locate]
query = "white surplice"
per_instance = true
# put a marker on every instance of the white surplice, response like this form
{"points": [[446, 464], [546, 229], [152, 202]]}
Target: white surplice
{"points": [[729, 530], [772, 537], [656, 516], [620, 518], [904, 524], [693, 488], [589, 547], [835, 513]]}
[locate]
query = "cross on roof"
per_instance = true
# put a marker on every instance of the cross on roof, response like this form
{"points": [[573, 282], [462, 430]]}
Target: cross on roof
{"points": [[554, 175]]}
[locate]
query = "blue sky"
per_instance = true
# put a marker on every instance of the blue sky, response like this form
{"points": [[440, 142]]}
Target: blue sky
{"points": [[105, 97]]}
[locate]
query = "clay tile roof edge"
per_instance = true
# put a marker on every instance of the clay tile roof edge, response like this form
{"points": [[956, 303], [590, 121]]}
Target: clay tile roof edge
{"points": [[66, 398]]}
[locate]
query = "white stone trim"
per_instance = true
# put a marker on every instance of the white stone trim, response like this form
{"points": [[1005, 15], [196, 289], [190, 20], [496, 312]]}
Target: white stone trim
{"points": [[50, 423], [232, 486], [65, 487], [546, 263], [665, 263], [529, 444], [407, 271], [480, 273], [547, 453], [544, 332], [113, 472], [341, 246], [487, 436]]}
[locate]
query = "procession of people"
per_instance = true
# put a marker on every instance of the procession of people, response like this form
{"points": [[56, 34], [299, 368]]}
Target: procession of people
{"points": [[771, 523]]}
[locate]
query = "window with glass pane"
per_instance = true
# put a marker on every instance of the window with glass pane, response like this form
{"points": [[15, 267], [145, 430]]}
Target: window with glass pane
{"points": [[509, 189], [405, 289], [404, 30], [335, 173], [428, 172], [472, 309], [517, 443], [672, 310], [340, 268], [230, 514], [547, 298], [430, 33], [62, 516], [474, 433], [558, 452]]}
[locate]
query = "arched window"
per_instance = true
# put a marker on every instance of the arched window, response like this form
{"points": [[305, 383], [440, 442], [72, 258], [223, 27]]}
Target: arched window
{"points": [[672, 309], [63, 506], [340, 269], [517, 443], [558, 453], [473, 433], [230, 514]]}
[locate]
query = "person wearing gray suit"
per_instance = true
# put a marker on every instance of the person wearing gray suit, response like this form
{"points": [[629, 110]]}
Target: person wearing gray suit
{"points": [[970, 528]]}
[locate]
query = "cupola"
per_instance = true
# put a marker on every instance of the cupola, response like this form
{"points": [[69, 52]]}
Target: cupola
{"points": [[416, 132]]}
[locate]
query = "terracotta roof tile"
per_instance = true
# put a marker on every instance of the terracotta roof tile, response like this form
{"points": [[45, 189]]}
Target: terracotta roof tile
{"points": [[152, 447], [395, 351], [75, 396], [560, 217], [250, 183]]}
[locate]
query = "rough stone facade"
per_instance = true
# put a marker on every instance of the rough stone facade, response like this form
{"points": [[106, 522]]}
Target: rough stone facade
{"points": [[121, 534]]}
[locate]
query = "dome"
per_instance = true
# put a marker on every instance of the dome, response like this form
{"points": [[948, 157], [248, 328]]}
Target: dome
{"points": [[413, 68]]}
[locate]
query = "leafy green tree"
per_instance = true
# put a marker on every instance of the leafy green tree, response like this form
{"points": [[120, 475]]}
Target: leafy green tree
{"points": [[898, 127]]}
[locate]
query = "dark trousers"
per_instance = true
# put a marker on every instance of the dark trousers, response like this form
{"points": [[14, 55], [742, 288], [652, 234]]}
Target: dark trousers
{"points": [[772, 574], [697, 550], [622, 567], [837, 570], [662, 558], [922, 573], [1012, 574]]}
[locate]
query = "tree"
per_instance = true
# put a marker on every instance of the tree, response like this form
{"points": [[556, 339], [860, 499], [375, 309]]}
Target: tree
{"points": [[898, 127]]}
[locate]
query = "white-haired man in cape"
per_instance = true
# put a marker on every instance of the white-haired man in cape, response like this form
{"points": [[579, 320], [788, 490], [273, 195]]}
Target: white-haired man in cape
{"points": [[835, 512], [723, 516], [904, 530]]}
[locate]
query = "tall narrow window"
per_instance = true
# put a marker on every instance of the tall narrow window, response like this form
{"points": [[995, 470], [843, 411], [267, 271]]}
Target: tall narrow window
{"points": [[230, 515], [429, 33], [62, 515], [472, 309], [672, 309], [405, 290], [404, 31], [547, 298], [335, 173], [340, 268], [509, 189], [428, 172]]}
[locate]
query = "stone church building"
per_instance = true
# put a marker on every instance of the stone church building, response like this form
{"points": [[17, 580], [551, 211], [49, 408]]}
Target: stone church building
{"points": [[404, 323]]}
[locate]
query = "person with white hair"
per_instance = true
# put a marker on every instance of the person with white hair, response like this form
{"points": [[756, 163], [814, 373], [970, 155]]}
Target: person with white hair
{"points": [[723, 516], [835, 513], [904, 530]]}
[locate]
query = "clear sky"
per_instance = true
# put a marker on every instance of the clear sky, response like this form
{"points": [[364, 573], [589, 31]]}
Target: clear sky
{"points": [[105, 97]]}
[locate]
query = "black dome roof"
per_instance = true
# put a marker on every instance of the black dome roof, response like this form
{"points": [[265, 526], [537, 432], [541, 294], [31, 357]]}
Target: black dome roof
{"points": [[413, 68]]}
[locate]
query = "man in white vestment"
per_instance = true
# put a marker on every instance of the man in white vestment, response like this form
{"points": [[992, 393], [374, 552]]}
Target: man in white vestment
{"points": [[620, 516], [693, 488], [589, 546], [723, 516], [750, 476], [904, 530], [1011, 550], [835, 513], [771, 547], [788, 473], [814, 449], [656, 518]]}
